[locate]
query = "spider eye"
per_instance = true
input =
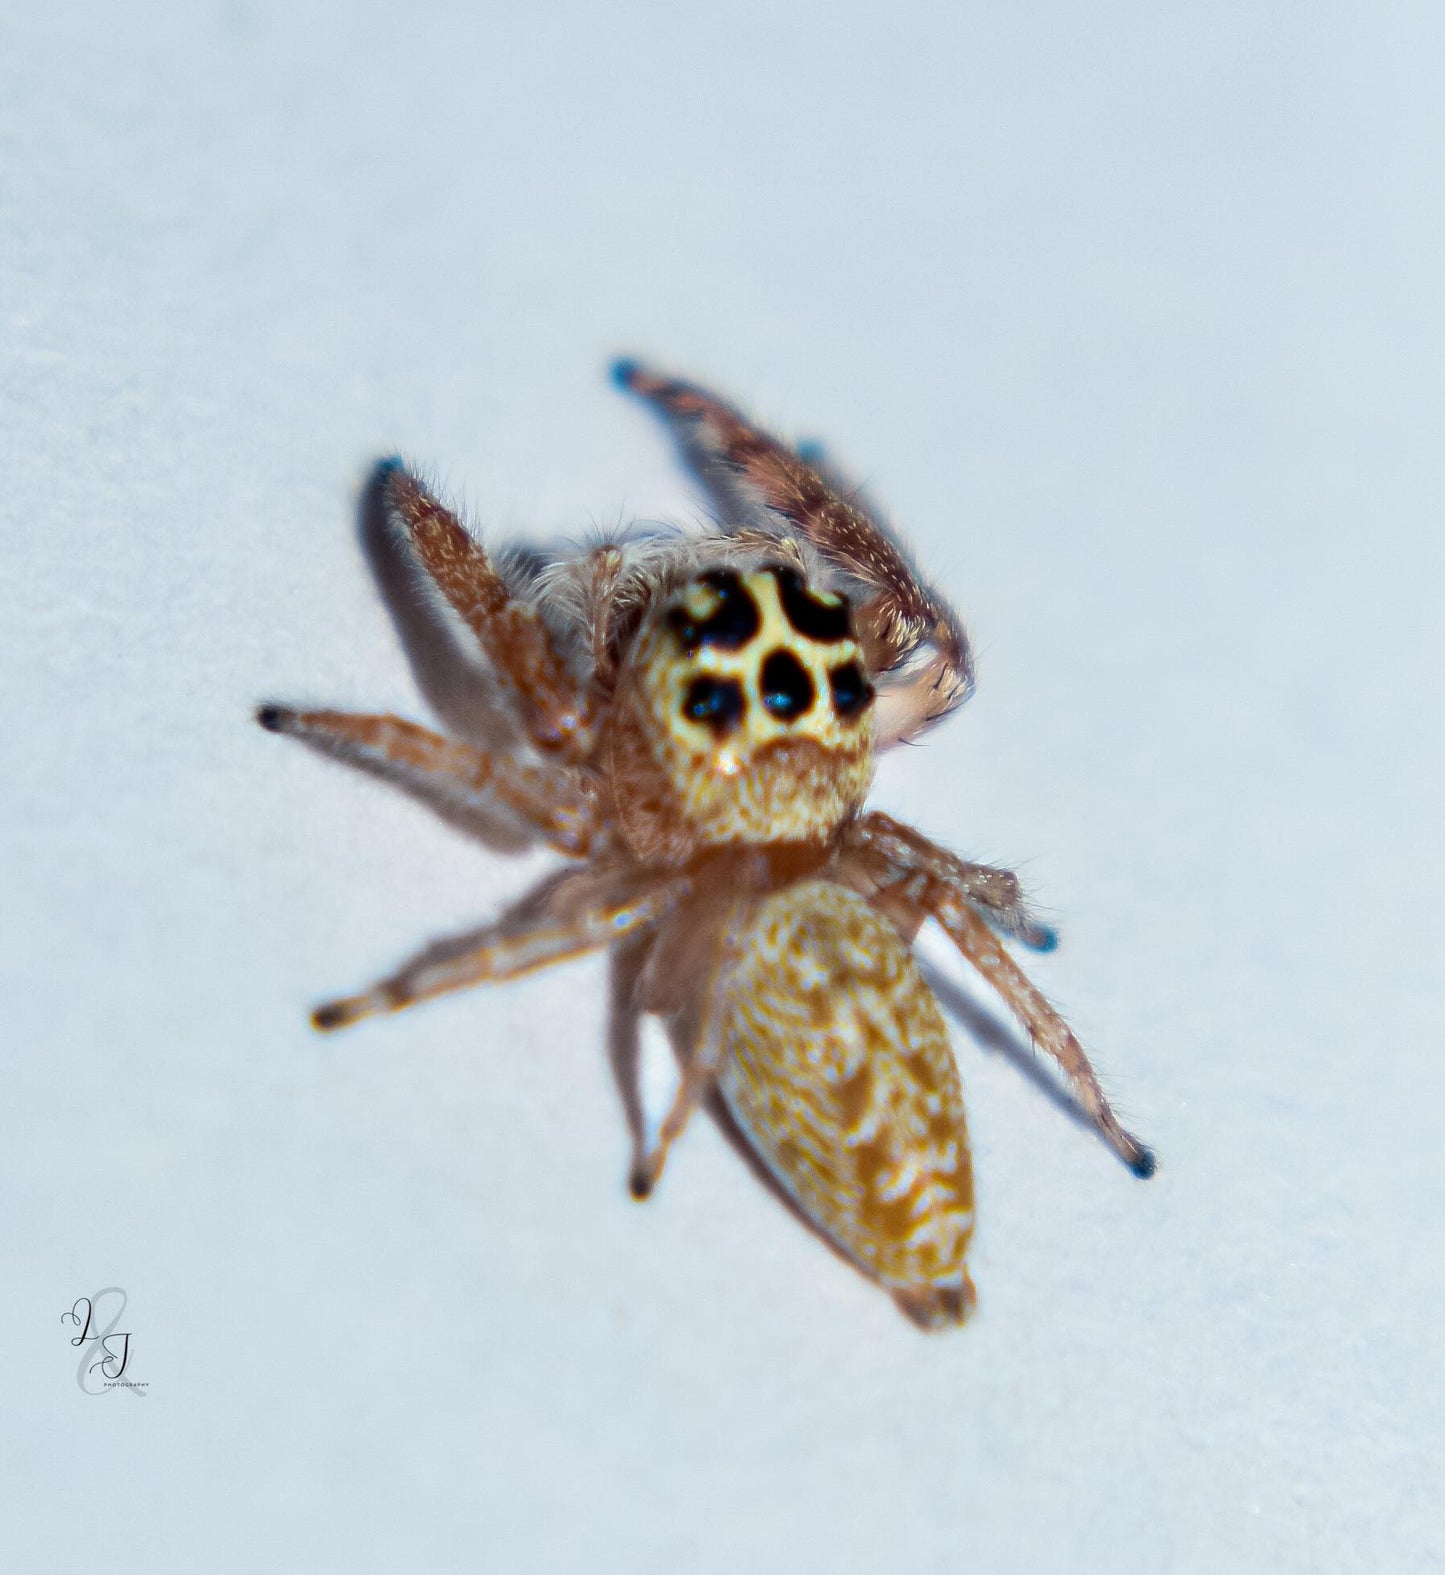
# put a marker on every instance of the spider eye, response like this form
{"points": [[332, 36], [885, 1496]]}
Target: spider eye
{"points": [[715, 702], [822, 618], [787, 689], [716, 610], [851, 690]]}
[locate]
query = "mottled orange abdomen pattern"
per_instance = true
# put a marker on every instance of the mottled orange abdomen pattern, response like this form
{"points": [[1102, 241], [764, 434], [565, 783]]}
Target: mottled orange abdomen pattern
{"points": [[837, 1067]]}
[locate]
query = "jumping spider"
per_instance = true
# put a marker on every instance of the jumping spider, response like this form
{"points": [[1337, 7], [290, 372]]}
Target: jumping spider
{"points": [[702, 715]]}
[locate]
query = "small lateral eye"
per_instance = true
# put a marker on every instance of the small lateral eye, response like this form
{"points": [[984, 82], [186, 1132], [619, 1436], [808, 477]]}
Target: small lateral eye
{"points": [[787, 689], [851, 690], [715, 702], [731, 623]]}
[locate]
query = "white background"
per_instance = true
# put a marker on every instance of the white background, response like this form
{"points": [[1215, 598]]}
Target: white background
{"points": [[1131, 313]]}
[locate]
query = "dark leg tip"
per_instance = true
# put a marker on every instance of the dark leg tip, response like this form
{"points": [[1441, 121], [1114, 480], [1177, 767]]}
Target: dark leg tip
{"points": [[625, 372], [639, 1184], [273, 717], [334, 1015], [1145, 1165]]}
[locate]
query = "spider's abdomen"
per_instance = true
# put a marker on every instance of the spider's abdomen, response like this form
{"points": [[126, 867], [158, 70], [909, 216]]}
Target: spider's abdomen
{"points": [[836, 1066], [743, 715]]}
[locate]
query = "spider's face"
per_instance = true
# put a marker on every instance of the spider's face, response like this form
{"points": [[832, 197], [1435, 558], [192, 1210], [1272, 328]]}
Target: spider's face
{"points": [[744, 716]]}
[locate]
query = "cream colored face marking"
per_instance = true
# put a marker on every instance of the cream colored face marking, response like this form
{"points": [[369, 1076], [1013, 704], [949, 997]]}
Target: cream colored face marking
{"points": [[744, 715], [673, 668]]}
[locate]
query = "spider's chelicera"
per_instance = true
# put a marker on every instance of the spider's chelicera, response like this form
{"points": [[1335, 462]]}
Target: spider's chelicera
{"points": [[700, 718]]}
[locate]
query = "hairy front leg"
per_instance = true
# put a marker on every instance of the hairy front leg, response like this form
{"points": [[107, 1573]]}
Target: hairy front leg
{"points": [[913, 640], [554, 707], [446, 773]]}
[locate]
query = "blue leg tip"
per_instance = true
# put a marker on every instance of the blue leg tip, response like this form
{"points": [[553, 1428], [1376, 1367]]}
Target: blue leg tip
{"points": [[624, 371]]}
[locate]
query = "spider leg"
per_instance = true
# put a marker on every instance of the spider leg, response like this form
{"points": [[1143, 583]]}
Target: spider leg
{"points": [[554, 707], [444, 773], [943, 888], [1050, 1032], [563, 919], [625, 1048], [912, 638], [697, 1079], [893, 852], [701, 1023]]}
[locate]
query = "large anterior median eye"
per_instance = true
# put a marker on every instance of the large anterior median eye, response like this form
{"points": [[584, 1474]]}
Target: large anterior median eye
{"points": [[787, 688], [715, 702]]}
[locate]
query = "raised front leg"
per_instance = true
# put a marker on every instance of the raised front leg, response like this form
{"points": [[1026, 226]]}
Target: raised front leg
{"points": [[911, 636], [445, 773], [554, 708]]}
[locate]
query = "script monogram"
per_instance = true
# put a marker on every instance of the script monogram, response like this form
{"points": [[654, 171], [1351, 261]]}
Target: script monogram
{"points": [[103, 1351]]}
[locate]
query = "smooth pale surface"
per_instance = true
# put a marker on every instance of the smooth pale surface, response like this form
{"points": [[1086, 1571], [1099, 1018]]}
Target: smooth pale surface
{"points": [[1133, 317]]}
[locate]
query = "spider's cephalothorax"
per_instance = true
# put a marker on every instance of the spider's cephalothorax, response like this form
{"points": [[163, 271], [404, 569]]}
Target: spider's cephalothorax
{"points": [[699, 720], [743, 715]]}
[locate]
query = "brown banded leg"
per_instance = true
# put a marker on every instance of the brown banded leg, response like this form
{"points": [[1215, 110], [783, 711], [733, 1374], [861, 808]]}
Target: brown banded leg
{"points": [[907, 630], [531, 936], [983, 949], [444, 772], [894, 853], [554, 707]]}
